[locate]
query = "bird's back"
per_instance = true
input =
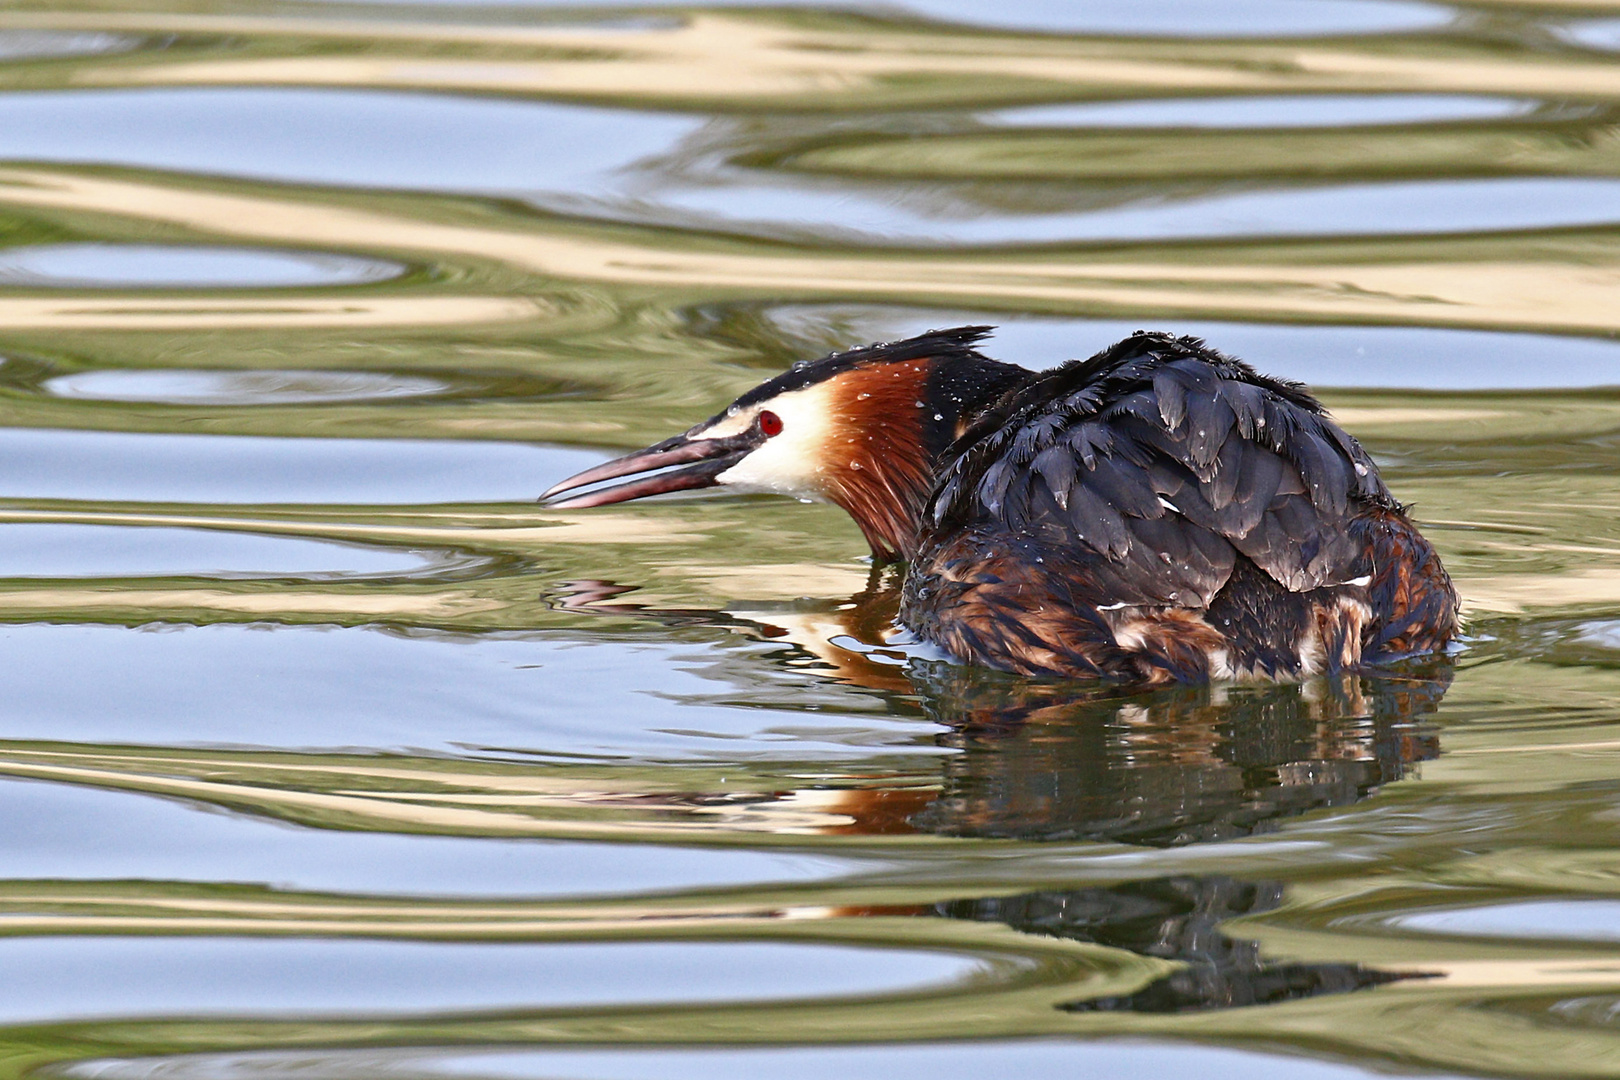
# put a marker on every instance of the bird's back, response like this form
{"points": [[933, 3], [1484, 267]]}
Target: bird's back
{"points": [[1160, 512]]}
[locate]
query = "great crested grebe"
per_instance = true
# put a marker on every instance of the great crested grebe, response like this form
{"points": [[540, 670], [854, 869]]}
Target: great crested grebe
{"points": [[1159, 512]]}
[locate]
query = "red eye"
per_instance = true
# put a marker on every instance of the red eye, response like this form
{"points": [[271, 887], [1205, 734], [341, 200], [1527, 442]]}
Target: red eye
{"points": [[770, 423]]}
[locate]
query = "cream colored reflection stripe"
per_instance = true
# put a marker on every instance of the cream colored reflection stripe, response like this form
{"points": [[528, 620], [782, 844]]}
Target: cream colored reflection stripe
{"points": [[741, 57], [167, 313], [1521, 592], [681, 78], [1557, 293], [1603, 971], [560, 527], [803, 813]]}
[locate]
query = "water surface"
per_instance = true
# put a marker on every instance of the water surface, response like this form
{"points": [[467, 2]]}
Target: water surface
{"points": [[329, 752]]}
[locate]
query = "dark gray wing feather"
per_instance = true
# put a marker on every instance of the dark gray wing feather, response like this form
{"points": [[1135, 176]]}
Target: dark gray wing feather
{"points": [[1166, 460]]}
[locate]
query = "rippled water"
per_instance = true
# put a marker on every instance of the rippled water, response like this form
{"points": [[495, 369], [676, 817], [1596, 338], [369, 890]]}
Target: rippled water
{"points": [[327, 752]]}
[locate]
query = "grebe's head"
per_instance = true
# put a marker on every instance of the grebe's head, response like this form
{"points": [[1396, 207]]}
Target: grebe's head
{"points": [[863, 429]]}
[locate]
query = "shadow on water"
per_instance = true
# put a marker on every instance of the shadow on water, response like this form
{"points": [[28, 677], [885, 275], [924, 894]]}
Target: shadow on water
{"points": [[1065, 761]]}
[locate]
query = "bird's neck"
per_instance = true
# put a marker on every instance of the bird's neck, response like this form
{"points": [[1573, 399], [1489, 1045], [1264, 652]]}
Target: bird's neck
{"points": [[893, 426]]}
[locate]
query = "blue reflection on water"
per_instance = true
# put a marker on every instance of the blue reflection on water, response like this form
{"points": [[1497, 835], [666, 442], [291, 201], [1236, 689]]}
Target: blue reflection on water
{"points": [[277, 386], [353, 137], [57, 464], [1585, 920], [69, 831], [1114, 1059], [58, 978], [1281, 110], [154, 266], [1596, 33], [514, 694], [930, 213], [53, 550]]}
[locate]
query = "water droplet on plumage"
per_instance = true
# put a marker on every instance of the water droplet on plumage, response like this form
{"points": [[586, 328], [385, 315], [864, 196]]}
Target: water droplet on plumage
{"points": [[862, 397], [939, 416], [1361, 470]]}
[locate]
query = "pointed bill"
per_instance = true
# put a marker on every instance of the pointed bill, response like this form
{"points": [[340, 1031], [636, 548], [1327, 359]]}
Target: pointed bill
{"points": [[705, 459]]}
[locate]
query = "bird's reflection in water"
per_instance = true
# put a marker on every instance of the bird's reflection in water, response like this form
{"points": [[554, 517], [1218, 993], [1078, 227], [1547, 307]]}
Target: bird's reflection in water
{"points": [[1175, 918], [1180, 766], [1052, 761]]}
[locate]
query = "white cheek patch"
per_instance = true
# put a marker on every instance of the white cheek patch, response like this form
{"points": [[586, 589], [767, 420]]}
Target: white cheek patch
{"points": [[789, 463]]}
